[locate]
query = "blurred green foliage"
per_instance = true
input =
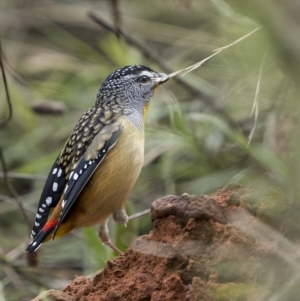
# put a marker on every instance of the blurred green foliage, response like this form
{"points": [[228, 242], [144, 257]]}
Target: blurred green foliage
{"points": [[55, 52]]}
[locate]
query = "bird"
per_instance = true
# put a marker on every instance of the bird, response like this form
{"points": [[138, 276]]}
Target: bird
{"points": [[92, 177]]}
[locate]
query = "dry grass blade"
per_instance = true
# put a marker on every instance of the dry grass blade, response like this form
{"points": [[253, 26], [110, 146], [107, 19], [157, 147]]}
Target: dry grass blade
{"points": [[238, 40], [216, 51], [193, 67], [255, 107]]}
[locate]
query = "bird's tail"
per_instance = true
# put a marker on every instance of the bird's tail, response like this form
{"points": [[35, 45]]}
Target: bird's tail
{"points": [[43, 236], [47, 232]]}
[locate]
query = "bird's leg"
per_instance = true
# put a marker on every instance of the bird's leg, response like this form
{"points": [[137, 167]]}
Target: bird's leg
{"points": [[104, 236], [133, 216], [120, 217]]}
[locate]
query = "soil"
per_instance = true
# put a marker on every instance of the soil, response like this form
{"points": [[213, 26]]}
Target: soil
{"points": [[202, 248]]}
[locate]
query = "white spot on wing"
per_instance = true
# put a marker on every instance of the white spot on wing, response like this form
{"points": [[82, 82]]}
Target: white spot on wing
{"points": [[54, 171], [80, 171], [36, 224], [48, 200], [41, 210], [63, 204], [37, 247], [75, 176], [103, 151], [38, 216], [71, 174], [66, 188], [90, 162], [54, 186], [44, 205], [59, 172], [85, 166], [33, 232], [34, 243]]}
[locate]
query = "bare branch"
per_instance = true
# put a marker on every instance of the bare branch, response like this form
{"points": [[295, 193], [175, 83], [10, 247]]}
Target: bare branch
{"points": [[117, 16], [2, 123]]}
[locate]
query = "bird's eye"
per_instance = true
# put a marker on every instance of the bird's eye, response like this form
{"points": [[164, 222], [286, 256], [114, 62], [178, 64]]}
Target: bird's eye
{"points": [[143, 79]]}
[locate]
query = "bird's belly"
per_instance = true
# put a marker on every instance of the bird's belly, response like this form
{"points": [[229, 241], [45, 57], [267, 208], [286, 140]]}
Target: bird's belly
{"points": [[109, 187]]}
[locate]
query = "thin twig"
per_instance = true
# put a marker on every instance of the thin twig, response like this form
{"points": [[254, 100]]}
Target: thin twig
{"points": [[13, 191], [21, 176], [117, 16], [10, 111], [131, 40], [136, 215], [13, 73], [11, 272], [12, 201], [17, 252]]}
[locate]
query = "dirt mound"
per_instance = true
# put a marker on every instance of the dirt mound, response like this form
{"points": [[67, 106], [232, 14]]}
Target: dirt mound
{"points": [[200, 248]]}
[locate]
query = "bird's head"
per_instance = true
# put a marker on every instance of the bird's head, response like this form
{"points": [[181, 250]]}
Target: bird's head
{"points": [[131, 87]]}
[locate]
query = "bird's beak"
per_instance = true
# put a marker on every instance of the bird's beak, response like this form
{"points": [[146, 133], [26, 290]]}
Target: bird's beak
{"points": [[161, 79]]}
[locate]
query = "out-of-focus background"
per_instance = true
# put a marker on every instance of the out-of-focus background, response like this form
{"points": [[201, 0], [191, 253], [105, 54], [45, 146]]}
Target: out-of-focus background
{"points": [[56, 57]]}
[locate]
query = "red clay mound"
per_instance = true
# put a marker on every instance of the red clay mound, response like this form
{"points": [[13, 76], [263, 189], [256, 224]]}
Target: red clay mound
{"points": [[200, 248]]}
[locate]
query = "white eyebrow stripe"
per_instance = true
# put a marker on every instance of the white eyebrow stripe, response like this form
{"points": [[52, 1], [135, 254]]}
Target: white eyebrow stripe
{"points": [[145, 72], [148, 73]]}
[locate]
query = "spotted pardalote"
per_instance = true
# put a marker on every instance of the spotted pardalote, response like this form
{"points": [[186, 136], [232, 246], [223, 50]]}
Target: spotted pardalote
{"points": [[101, 160]]}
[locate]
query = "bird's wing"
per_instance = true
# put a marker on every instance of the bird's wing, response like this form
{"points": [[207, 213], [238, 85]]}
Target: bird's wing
{"points": [[87, 128], [85, 169], [50, 196], [78, 178]]}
